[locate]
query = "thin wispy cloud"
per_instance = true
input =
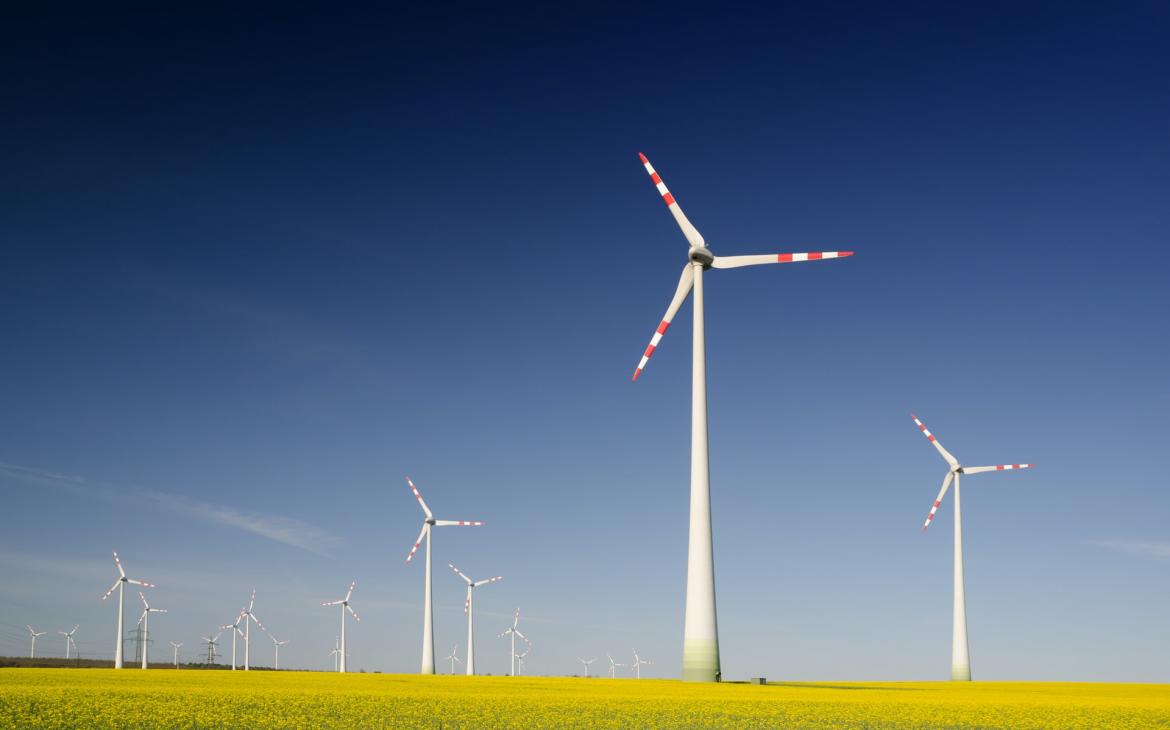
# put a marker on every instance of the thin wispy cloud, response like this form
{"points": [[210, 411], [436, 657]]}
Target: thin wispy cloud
{"points": [[279, 528], [1159, 549]]}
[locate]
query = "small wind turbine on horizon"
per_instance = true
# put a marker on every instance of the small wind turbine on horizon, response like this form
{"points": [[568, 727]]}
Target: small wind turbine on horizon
{"points": [[235, 629], [336, 651], [344, 603], [429, 521], [249, 617], [960, 654], [638, 662], [701, 635], [276, 646], [586, 662], [32, 652], [120, 585], [176, 648], [521, 657], [69, 642], [144, 622], [514, 632], [613, 666], [469, 609], [453, 658]]}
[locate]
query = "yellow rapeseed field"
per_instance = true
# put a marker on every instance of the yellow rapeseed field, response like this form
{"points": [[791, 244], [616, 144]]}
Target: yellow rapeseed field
{"points": [[103, 698]]}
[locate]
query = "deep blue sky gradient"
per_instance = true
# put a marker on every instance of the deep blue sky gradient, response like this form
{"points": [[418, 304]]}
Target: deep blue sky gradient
{"points": [[260, 265]]}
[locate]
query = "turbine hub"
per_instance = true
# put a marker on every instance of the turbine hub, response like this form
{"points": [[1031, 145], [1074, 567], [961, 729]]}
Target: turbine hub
{"points": [[430, 521], [703, 255]]}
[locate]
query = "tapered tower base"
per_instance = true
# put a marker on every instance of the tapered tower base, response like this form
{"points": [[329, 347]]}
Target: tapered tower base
{"points": [[701, 660], [961, 674]]}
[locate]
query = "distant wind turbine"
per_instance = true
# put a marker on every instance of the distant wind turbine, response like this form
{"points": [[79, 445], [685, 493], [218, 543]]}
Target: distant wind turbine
{"points": [[344, 603], [144, 622], [32, 652], [176, 647], [960, 656], [249, 617], [514, 632], [336, 651], [429, 521], [235, 628], [638, 662], [700, 634], [469, 609], [613, 666], [211, 644], [276, 646], [521, 657], [586, 662], [453, 658], [69, 642], [120, 585]]}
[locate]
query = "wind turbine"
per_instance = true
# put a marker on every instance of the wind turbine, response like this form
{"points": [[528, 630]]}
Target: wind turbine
{"points": [[120, 585], [638, 662], [514, 632], [176, 647], [249, 617], [521, 657], [454, 658], [613, 666], [32, 653], [700, 635], [235, 630], [69, 642], [211, 644], [469, 609], [336, 651], [344, 603], [429, 521], [276, 646], [144, 621], [960, 656], [586, 662]]}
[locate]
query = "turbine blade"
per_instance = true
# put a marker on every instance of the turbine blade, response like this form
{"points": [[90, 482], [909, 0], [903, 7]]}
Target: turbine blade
{"points": [[112, 589], [332, 603], [521, 634], [938, 500], [457, 523], [257, 620], [349, 592], [688, 229], [685, 281], [930, 437], [118, 562], [485, 581], [426, 510], [735, 262], [143, 597], [352, 612], [422, 533], [464, 577], [998, 467], [142, 583]]}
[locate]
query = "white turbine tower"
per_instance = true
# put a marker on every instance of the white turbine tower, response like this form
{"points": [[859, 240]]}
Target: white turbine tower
{"points": [[211, 644], [276, 646], [249, 617], [176, 648], [32, 652], [469, 609], [344, 603], [429, 521], [453, 658], [69, 642], [586, 662], [144, 622], [613, 666], [700, 635], [235, 628], [120, 586], [514, 632], [638, 662], [960, 656]]}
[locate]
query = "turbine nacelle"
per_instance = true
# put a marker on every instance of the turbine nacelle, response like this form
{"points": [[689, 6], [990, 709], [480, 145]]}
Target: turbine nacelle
{"points": [[702, 254]]}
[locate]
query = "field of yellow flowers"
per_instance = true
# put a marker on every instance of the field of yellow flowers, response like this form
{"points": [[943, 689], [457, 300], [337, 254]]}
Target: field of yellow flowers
{"points": [[103, 698]]}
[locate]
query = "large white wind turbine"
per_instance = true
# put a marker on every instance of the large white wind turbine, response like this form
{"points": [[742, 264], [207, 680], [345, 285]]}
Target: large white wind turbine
{"points": [[120, 586], [469, 609], [211, 644], [960, 656], [613, 666], [429, 521], [514, 632], [276, 646], [235, 628], [176, 648], [344, 603], [453, 658], [638, 662], [69, 642], [249, 617], [700, 634], [144, 622], [586, 662], [32, 652]]}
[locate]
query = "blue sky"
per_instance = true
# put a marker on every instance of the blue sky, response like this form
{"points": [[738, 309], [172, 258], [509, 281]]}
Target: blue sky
{"points": [[262, 266]]}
